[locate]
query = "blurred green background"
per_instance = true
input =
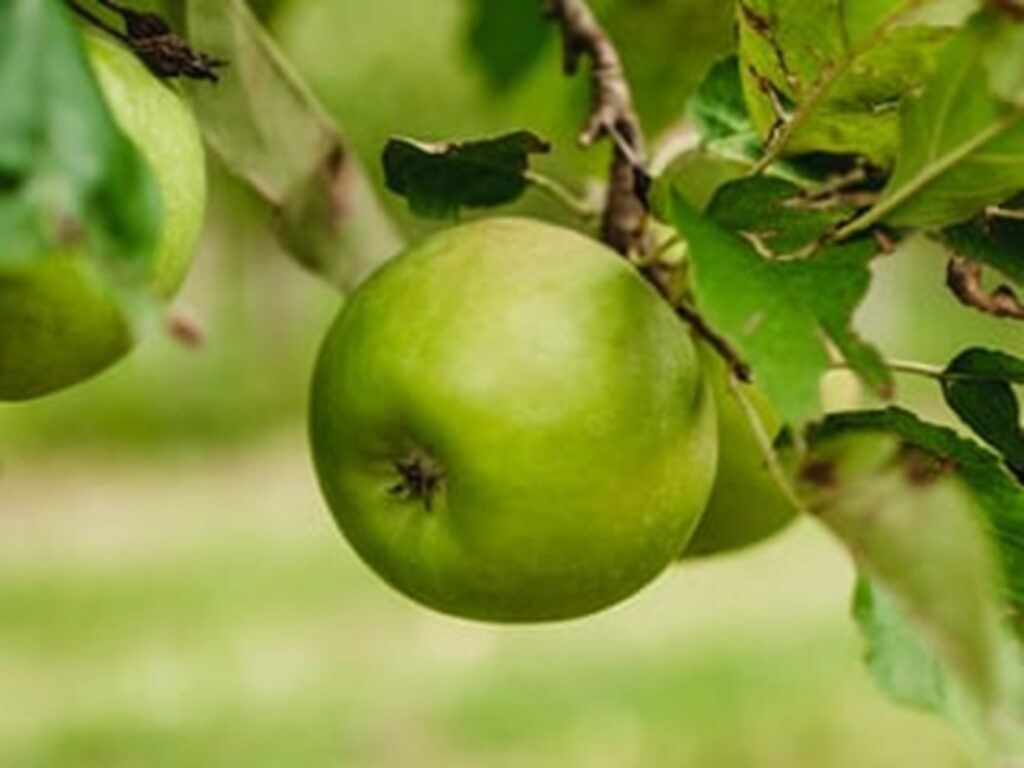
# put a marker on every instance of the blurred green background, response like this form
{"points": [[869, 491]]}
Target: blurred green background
{"points": [[172, 590]]}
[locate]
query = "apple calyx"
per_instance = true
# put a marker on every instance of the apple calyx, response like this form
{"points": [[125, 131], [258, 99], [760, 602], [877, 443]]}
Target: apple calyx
{"points": [[420, 479]]}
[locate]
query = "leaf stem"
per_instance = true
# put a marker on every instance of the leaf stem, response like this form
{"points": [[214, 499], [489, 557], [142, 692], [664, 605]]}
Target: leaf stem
{"points": [[999, 212], [926, 175], [924, 370], [915, 368], [558, 191]]}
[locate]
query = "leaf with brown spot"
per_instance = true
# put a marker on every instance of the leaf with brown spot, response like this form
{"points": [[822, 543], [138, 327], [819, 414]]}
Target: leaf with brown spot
{"points": [[270, 131]]}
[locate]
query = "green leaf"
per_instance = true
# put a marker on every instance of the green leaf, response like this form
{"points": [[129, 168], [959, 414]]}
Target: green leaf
{"points": [[506, 37], [824, 76], [779, 313], [68, 175], [440, 179], [933, 523], [991, 240], [271, 132], [696, 175], [718, 110], [961, 145], [999, 497], [775, 212], [897, 656], [977, 385]]}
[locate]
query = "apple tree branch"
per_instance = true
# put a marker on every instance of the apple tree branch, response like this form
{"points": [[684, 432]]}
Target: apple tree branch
{"points": [[612, 115]]}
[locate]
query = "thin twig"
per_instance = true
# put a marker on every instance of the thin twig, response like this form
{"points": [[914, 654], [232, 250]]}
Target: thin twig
{"points": [[737, 367], [97, 22], [151, 39], [964, 279], [613, 116]]}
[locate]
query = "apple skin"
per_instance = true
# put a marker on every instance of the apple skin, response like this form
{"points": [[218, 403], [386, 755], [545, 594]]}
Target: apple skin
{"points": [[60, 323], [556, 397], [747, 505]]}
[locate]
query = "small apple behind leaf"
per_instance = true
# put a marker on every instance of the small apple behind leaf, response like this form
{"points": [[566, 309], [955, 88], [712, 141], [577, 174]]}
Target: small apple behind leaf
{"points": [[59, 320], [510, 425], [747, 504]]}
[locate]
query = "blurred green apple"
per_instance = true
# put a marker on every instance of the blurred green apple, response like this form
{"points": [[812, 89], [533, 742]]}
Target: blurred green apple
{"points": [[59, 321], [510, 425], [747, 503]]}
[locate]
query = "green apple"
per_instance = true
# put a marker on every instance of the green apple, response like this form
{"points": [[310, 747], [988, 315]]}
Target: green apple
{"points": [[510, 425], [59, 322], [747, 503]]}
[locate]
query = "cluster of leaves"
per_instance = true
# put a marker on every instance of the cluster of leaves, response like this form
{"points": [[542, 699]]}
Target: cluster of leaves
{"points": [[834, 132], [839, 133]]}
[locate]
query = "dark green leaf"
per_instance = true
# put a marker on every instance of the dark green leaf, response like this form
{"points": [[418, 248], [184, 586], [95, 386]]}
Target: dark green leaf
{"points": [[270, 132], [718, 110], [774, 211], [977, 386], [991, 240], [506, 37], [779, 313], [440, 179], [67, 173]]}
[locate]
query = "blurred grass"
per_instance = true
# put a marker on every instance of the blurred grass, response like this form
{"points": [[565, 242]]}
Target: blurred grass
{"points": [[200, 610]]}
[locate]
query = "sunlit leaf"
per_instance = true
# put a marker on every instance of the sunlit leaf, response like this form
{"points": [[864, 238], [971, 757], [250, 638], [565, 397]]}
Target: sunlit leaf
{"points": [[779, 312], [821, 76], [961, 145]]}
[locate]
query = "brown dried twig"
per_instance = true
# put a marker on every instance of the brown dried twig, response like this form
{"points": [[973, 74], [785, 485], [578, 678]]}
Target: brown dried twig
{"points": [[612, 115], [740, 370], [964, 280], [154, 42]]}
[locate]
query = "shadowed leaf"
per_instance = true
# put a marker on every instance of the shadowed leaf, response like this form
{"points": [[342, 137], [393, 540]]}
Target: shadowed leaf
{"points": [[440, 179]]}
